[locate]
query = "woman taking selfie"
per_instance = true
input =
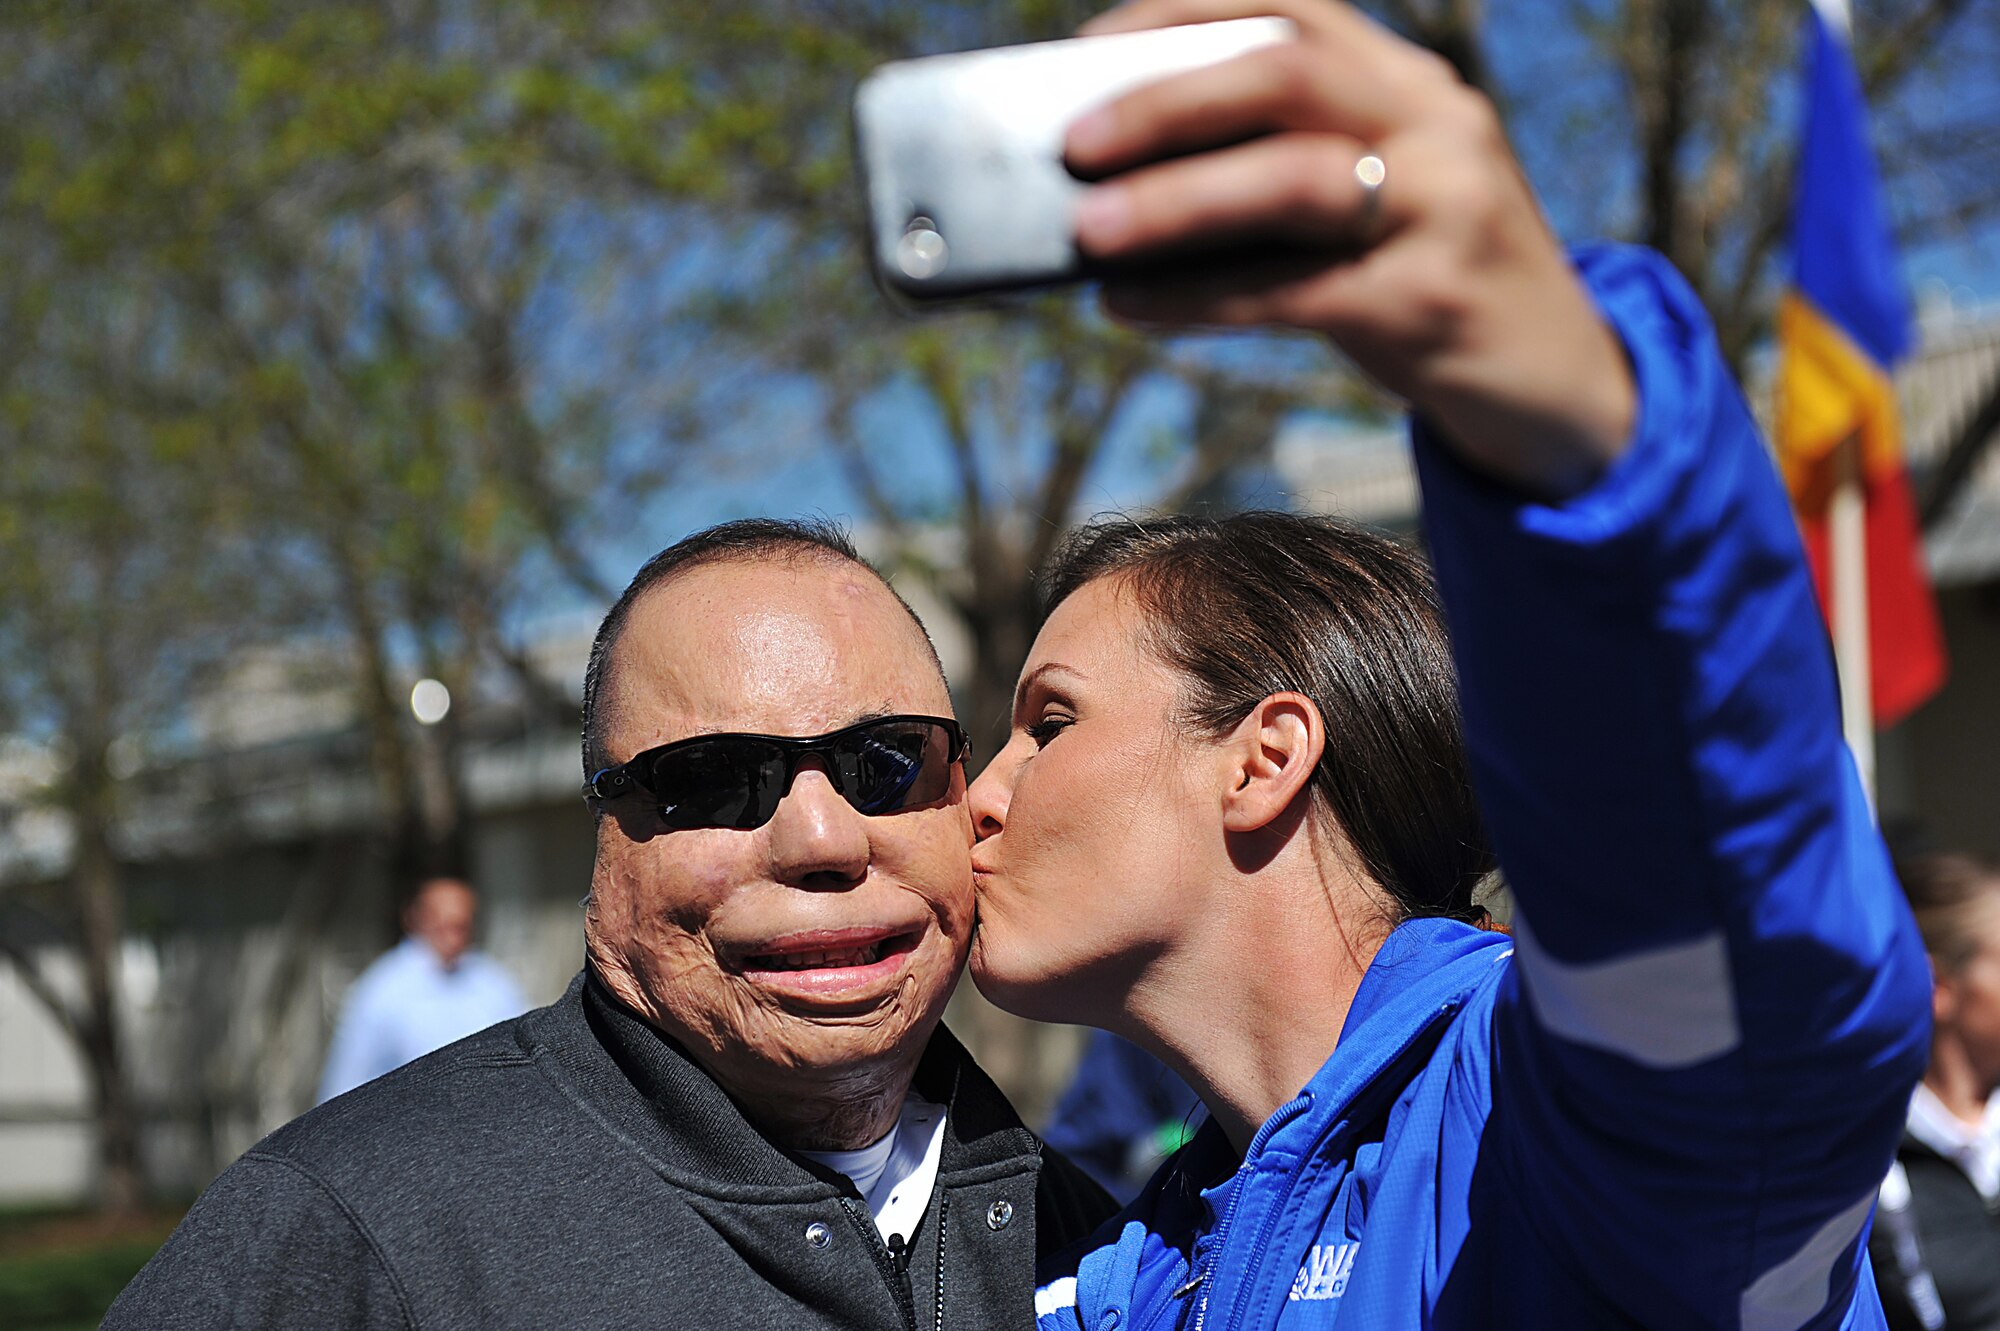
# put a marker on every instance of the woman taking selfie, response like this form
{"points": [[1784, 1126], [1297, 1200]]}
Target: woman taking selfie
{"points": [[1233, 822]]}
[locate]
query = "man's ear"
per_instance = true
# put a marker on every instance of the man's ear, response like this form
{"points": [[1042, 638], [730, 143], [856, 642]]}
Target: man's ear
{"points": [[1271, 759]]}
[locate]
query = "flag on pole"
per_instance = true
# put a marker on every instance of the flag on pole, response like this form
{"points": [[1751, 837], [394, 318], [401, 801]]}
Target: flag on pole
{"points": [[1842, 325]]}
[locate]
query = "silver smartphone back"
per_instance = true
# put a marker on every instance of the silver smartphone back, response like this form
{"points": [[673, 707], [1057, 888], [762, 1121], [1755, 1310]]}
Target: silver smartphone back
{"points": [[961, 155]]}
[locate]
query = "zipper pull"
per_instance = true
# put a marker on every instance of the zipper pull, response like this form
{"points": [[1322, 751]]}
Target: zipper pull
{"points": [[899, 1253]]}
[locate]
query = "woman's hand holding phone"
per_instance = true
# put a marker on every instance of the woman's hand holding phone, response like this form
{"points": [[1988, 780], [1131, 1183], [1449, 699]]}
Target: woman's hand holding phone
{"points": [[1444, 282]]}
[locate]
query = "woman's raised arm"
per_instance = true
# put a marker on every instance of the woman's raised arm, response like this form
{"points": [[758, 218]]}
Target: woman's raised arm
{"points": [[1701, 1060]]}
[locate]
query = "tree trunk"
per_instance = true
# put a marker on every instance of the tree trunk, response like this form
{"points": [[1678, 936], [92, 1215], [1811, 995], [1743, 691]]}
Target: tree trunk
{"points": [[420, 817], [100, 906], [1001, 618], [1678, 34], [99, 884]]}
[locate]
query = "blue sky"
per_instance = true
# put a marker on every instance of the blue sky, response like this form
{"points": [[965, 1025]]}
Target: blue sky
{"points": [[793, 476]]}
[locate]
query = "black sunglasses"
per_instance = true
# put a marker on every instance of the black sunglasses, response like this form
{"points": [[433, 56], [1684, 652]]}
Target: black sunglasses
{"points": [[737, 780]]}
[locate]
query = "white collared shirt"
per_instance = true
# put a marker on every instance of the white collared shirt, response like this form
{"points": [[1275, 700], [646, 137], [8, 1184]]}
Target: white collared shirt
{"points": [[896, 1174], [1975, 1150]]}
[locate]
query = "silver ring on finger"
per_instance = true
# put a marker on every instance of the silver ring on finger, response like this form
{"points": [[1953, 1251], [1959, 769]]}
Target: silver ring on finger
{"points": [[1369, 173]]}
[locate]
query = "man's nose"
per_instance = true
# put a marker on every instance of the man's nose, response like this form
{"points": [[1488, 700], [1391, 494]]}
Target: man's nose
{"points": [[818, 839]]}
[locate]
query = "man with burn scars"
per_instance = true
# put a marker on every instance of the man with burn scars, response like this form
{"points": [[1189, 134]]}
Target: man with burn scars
{"points": [[744, 1112]]}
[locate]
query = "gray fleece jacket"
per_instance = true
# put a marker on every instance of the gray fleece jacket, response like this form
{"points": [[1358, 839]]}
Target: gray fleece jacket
{"points": [[574, 1168]]}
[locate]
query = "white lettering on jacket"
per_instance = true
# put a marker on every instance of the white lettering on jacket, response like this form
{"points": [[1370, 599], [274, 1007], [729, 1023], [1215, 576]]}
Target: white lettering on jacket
{"points": [[1323, 1274], [1054, 1297]]}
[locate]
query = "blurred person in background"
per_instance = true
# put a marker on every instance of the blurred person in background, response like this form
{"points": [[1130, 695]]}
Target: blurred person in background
{"points": [[744, 1112], [1122, 1113], [1937, 1231], [429, 990]]}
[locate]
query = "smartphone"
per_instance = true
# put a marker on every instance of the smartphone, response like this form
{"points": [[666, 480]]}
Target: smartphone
{"points": [[961, 155]]}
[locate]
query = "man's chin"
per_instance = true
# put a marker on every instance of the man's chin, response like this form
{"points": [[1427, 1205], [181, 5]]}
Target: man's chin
{"points": [[839, 1048]]}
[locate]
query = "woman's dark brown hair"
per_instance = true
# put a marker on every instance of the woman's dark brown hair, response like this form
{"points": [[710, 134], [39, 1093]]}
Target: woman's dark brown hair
{"points": [[1262, 603], [1946, 893]]}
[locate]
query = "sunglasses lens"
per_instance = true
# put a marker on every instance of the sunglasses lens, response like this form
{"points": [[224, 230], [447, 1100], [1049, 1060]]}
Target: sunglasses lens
{"points": [[732, 782], [893, 765], [737, 781]]}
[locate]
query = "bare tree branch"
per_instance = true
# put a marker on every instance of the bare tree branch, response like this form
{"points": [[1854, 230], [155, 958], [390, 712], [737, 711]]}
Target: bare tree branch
{"points": [[862, 474], [1243, 418], [1892, 56], [37, 984], [1079, 438], [933, 365]]}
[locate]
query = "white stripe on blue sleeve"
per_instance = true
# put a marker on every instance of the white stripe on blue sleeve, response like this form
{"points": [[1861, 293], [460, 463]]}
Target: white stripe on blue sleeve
{"points": [[1794, 1291], [1670, 1007]]}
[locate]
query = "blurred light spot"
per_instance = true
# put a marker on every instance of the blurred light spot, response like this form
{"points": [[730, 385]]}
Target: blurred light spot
{"points": [[429, 701], [123, 758], [921, 252]]}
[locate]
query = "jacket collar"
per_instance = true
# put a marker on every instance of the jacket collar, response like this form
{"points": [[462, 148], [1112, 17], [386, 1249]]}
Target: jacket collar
{"points": [[1425, 971], [644, 1088]]}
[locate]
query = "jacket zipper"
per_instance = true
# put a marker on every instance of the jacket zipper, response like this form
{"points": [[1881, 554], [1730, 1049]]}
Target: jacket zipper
{"points": [[1217, 1241], [944, 1201], [1283, 1116], [894, 1268]]}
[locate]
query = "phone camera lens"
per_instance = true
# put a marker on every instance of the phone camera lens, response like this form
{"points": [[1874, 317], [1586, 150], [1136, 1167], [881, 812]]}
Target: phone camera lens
{"points": [[921, 253]]}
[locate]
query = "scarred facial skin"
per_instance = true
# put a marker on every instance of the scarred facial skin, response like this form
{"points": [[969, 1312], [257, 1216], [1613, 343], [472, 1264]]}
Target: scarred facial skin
{"points": [[699, 930]]}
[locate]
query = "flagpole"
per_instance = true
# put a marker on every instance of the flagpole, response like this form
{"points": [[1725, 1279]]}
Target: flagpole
{"points": [[1847, 535]]}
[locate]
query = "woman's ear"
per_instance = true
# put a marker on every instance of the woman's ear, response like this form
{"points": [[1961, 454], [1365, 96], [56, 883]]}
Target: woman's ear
{"points": [[1272, 756]]}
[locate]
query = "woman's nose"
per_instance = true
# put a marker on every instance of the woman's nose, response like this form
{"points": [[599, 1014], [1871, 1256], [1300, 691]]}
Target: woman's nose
{"points": [[987, 797]]}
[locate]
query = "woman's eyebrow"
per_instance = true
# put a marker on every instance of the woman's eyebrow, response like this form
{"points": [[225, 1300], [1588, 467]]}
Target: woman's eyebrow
{"points": [[1035, 676]]}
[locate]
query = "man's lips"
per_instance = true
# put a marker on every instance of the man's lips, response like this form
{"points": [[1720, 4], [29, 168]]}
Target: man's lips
{"points": [[831, 963]]}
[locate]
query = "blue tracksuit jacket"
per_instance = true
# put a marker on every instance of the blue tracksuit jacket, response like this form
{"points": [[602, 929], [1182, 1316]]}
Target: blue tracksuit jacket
{"points": [[1668, 1100]]}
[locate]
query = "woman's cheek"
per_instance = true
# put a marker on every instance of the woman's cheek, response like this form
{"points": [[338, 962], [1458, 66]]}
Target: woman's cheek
{"points": [[1029, 864]]}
